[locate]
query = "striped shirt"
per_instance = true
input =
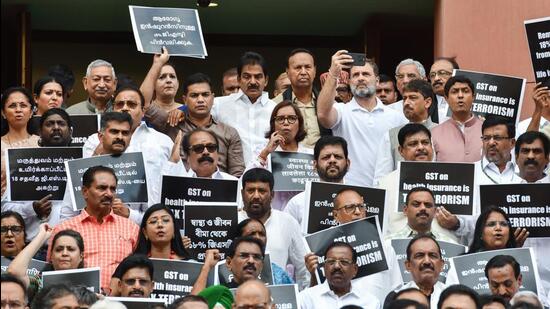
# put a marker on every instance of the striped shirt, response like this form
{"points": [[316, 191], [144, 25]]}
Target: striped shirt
{"points": [[105, 244]]}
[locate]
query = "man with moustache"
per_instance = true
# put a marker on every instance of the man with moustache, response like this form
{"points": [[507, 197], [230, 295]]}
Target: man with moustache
{"points": [[249, 110], [440, 72], [407, 70], [385, 90], [532, 151], [504, 276], [230, 82], [136, 277], [362, 121], [97, 222]]}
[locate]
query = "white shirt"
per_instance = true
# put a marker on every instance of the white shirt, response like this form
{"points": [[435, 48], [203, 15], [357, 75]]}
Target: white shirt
{"points": [[397, 106], [442, 108], [285, 244], [250, 119], [434, 298], [522, 125], [216, 175], [296, 207], [321, 296], [545, 179], [363, 130]]}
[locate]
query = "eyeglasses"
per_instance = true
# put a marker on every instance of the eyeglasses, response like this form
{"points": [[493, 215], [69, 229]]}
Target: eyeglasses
{"points": [[343, 262], [409, 76], [258, 306], [497, 138], [441, 73], [281, 119], [246, 256], [164, 220], [131, 104], [494, 223], [349, 209], [199, 148], [15, 229], [133, 281]]}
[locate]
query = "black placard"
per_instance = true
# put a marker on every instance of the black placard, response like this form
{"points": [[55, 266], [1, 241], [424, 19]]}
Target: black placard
{"points": [[83, 127], [35, 266], [538, 38], [139, 303], [208, 225], [176, 191], [284, 295], [174, 278], [128, 167], [224, 275], [448, 250], [292, 170], [37, 172], [363, 235], [496, 94], [470, 269], [319, 201], [527, 205], [179, 30], [452, 190], [88, 277]]}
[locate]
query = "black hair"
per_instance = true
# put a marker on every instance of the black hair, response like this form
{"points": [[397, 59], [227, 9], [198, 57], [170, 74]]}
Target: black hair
{"points": [[64, 74], [237, 241], [39, 84], [420, 237], [56, 111], [18, 217], [529, 137], [46, 298], [458, 289], [88, 176], [251, 58], [230, 72], [383, 78], [411, 129], [486, 299], [76, 236], [187, 299], [404, 304], [130, 87], [258, 174], [116, 117], [297, 51], [494, 120], [135, 261], [124, 80], [342, 244], [197, 78], [329, 140], [186, 141], [418, 189], [84, 296], [421, 86], [458, 79], [237, 230], [301, 134], [502, 260], [144, 245], [451, 60], [4, 98], [7, 277], [477, 243]]}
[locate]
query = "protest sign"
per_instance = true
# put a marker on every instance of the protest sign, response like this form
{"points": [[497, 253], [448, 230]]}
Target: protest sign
{"points": [[128, 167], [538, 38], [179, 30], [363, 235], [291, 170], [207, 225], [452, 190], [138, 302], [35, 266], [174, 278], [527, 205], [319, 202], [495, 94], [176, 191], [224, 275], [37, 172], [448, 250], [88, 277], [83, 127], [470, 269]]}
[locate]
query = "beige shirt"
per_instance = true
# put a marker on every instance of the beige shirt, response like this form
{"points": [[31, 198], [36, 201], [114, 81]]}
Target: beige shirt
{"points": [[311, 125]]}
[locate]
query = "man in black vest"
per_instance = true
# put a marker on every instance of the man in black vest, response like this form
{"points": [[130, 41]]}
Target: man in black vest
{"points": [[301, 71]]}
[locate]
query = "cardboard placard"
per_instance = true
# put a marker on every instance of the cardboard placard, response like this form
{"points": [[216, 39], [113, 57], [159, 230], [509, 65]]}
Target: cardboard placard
{"points": [[139, 303], [37, 172], [35, 266], [538, 38], [83, 127], [496, 94], [129, 169], [174, 278], [363, 235], [224, 275], [282, 295], [292, 170], [452, 190], [319, 202], [527, 205], [89, 277], [208, 225], [179, 30]]}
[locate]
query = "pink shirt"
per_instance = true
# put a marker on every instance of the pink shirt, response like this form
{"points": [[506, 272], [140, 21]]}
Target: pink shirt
{"points": [[451, 145]]}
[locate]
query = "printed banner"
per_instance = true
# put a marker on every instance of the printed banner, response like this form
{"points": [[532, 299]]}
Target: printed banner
{"points": [[174, 278], [35, 266], [88, 277], [292, 170], [83, 127], [138, 302], [538, 38]]}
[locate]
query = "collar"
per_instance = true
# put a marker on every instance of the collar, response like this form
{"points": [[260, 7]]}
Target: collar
{"points": [[313, 98], [91, 107], [326, 290], [210, 123], [486, 164], [410, 233], [85, 216], [468, 123], [216, 175], [355, 105], [263, 99]]}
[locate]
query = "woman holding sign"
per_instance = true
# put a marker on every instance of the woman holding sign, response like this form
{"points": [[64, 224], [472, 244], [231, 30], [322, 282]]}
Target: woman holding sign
{"points": [[493, 231]]}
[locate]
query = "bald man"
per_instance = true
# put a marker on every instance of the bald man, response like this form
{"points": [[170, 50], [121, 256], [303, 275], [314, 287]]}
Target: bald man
{"points": [[251, 294]]}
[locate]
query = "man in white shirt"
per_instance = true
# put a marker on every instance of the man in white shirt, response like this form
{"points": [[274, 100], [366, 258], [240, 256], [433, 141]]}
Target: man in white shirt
{"points": [[249, 110], [338, 289], [407, 70], [532, 156], [362, 121], [440, 72], [284, 237], [331, 163]]}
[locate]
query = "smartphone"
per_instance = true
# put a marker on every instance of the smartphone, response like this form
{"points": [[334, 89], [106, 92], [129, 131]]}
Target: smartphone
{"points": [[358, 59]]}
